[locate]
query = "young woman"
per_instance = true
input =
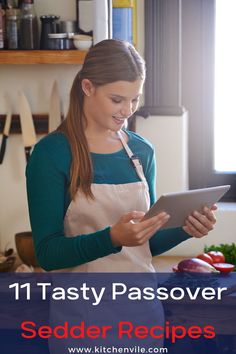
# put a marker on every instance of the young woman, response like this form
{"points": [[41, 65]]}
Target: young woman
{"points": [[90, 182]]}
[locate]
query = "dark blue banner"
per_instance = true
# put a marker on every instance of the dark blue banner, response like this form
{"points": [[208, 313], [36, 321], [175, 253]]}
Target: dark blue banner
{"points": [[52, 313]]}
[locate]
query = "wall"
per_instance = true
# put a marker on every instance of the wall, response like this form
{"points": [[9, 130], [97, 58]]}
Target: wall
{"points": [[169, 138], [45, 7], [168, 135]]}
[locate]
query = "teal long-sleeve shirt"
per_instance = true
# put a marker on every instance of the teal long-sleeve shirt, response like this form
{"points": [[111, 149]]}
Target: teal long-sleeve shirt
{"points": [[48, 176]]}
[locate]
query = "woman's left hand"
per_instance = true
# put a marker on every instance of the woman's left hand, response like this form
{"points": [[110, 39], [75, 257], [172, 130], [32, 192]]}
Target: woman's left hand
{"points": [[199, 224]]}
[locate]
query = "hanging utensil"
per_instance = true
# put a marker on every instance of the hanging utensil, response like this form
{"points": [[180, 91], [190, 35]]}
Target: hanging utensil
{"points": [[54, 119], [6, 129], [27, 125]]}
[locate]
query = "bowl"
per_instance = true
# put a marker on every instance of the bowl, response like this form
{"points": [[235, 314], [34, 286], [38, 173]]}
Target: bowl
{"points": [[25, 248], [82, 42]]}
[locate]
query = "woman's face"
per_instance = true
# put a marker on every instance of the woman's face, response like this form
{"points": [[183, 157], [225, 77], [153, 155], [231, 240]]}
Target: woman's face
{"points": [[109, 106]]}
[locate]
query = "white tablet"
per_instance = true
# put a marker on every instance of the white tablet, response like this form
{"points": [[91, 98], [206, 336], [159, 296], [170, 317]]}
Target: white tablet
{"points": [[180, 205]]}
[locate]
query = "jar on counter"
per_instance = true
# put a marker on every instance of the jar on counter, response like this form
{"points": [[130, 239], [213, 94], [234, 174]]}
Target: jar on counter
{"points": [[29, 33], [58, 41], [12, 28], [70, 37], [67, 26], [2, 26], [49, 25]]}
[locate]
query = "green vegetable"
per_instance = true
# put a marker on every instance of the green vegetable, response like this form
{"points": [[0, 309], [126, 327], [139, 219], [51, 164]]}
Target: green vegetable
{"points": [[229, 251]]}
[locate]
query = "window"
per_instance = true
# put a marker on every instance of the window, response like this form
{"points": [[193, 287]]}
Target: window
{"points": [[224, 93], [182, 46]]}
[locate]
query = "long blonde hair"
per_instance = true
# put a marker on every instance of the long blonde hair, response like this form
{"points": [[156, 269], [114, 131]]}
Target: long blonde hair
{"points": [[106, 62]]}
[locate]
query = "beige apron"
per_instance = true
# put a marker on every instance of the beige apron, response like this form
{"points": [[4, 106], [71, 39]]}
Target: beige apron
{"points": [[111, 201], [85, 216]]}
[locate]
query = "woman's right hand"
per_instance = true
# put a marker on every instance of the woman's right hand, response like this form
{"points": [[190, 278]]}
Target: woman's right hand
{"points": [[127, 232]]}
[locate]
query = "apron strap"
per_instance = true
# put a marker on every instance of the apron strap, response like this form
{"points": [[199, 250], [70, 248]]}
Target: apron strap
{"points": [[134, 159]]}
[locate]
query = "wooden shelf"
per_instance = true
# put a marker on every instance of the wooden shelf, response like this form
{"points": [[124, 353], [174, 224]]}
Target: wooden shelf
{"points": [[42, 56]]}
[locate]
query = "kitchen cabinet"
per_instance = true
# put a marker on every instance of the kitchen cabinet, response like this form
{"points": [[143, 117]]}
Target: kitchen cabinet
{"points": [[25, 57]]}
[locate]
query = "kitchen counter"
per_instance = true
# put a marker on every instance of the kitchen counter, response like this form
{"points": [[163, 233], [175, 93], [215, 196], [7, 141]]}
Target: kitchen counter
{"points": [[162, 264]]}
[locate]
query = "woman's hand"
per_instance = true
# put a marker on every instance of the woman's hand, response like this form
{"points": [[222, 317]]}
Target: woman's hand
{"points": [[199, 224], [128, 233]]}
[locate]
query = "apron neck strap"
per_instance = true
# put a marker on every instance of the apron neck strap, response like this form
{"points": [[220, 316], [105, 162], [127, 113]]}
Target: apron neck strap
{"points": [[134, 159], [125, 145]]}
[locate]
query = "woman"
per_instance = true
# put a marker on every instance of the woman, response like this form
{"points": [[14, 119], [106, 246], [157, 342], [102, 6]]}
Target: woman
{"points": [[90, 182]]}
